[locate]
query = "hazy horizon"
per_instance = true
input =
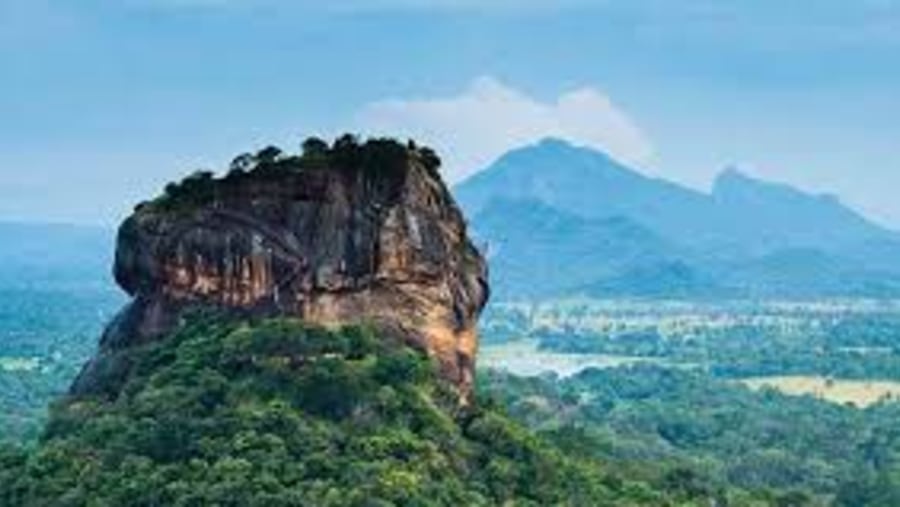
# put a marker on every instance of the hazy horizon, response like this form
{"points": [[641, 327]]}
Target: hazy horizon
{"points": [[105, 102], [221, 169]]}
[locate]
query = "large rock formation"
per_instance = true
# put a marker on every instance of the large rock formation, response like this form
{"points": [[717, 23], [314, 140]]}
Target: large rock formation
{"points": [[344, 234]]}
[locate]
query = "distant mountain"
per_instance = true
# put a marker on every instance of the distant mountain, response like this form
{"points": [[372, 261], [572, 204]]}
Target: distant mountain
{"points": [[806, 272], [536, 249], [675, 279], [747, 236], [589, 184], [767, 217]]}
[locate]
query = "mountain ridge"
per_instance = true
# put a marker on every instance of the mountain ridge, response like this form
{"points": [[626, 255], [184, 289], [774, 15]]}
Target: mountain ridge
{"points": [[739, 223], [553, 249]]}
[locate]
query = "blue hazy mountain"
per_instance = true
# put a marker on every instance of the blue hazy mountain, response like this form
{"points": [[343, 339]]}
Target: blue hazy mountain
{"points": [[671, 279], [805, 272], [535, 249], [588, 184], [746, 236], [768, 217]]}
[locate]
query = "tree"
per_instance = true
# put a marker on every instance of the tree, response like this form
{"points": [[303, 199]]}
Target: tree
{"points": [[314, 147], [347, 142], [268, 155], [346, 152], [431, 159], [241, 163]]}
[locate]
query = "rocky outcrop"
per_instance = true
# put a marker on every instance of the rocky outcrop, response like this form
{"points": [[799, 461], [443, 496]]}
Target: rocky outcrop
{"points": [[342, 235]]}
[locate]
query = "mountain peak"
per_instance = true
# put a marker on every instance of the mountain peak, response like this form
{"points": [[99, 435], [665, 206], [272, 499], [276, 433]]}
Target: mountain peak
{"points": [[555, 143], [733, 183], [733, 176], [548, 148], [733, 172], [558, 146], [736, 185]]}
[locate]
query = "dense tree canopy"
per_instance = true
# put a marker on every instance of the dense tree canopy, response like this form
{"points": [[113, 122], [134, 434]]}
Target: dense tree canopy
{"points": [[277, 413], [378, 161], [706, 433]]}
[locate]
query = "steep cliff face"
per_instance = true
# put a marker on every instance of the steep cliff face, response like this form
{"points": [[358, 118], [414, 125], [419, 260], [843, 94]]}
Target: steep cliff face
{"points": [[344, 235]]}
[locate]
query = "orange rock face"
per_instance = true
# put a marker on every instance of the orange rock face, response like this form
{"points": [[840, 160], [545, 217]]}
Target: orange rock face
{"points": [[332, 246]]}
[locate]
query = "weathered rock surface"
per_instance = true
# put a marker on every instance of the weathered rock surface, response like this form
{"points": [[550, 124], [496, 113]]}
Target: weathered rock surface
{"points": [[332, 245]]}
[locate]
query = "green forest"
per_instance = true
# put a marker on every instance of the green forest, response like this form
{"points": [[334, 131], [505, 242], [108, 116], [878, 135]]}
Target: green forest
{"points": [[278, 413], [449, 253], [47, 334], [714, 432], [284, 414], [707, 387]]}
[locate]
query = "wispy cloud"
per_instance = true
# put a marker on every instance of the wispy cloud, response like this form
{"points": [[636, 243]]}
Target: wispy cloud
{"points": [[489, 118]]}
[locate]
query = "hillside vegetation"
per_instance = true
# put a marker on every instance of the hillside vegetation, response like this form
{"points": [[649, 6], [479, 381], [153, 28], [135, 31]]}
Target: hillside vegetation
{"points": [[278, 413], [788, 396], [381, 161], [56, 292]]}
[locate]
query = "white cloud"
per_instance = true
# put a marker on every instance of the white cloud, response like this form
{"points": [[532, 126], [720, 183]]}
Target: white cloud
{"points": [[487, 119]]}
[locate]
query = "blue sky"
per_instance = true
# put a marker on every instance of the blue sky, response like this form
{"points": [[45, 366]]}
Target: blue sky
{"points": [[102, 102]]}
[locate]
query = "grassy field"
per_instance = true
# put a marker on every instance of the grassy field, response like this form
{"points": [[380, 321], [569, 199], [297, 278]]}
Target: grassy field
{"points": [[19, 363], [680, 318], [524, 358], [860, 393]]}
